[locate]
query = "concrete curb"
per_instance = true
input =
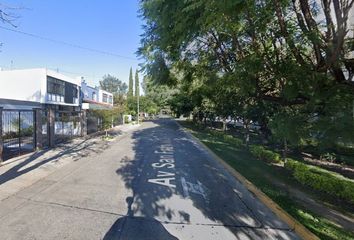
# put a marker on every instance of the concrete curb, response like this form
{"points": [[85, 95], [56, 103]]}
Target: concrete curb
{"points": [[297, 227]]}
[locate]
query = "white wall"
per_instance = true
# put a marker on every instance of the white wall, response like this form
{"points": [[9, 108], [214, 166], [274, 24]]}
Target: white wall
{"points": [[100, 96], [23, 85], [88, 91], [31, 85]]}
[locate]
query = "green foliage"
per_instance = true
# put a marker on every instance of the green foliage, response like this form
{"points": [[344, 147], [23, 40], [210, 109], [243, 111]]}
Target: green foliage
{"points": [[266, 62], [322, 180], [227, 138], [137, 84], [263, 175], [113, 85], [131, 83], [265, 155], [126, 119], [344, 149], [108, 116]]}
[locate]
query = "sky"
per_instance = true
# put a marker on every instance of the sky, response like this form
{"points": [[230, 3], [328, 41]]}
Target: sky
{"points": [[111, 26]]}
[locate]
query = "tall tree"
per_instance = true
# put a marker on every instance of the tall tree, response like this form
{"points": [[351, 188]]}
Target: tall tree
{"points": [[265, 60], [137, 84], [116, 87], [113, 84], [131, 83]]}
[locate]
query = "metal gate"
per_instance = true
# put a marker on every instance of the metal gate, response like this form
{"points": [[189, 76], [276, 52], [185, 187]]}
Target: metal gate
{"points": [[18, 132], [67, 126], [94, 124]]}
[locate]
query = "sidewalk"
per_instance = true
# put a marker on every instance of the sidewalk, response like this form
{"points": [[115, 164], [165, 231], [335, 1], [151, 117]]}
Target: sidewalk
{"points": [[30, 168]]}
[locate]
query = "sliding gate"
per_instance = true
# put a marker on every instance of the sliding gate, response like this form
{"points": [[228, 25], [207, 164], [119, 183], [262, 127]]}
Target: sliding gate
{"points": [[17, 132]]}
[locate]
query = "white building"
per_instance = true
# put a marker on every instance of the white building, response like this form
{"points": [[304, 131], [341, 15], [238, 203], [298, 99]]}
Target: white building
{"points": [[36, 88], [95, 98]]}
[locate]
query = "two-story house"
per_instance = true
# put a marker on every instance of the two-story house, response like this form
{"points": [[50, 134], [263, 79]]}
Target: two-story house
{"points": [[39, 88], [38, 107], [95, 98]]}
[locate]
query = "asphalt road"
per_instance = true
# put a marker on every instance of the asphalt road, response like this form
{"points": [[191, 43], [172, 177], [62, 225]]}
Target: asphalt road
{"points": [[154, 183]]}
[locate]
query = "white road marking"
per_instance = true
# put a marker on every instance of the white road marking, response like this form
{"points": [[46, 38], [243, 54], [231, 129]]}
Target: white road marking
{"points": [[166, 161], [185, 187], [197, 188]]}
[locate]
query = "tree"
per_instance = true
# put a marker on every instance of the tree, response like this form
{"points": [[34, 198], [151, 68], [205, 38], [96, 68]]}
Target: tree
{"points": [[131, 83], [262, 60], [113, 85], [137, 84]]}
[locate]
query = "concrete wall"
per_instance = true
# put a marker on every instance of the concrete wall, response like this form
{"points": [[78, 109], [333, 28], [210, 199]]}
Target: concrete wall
{"points": [[88, 91], [100, 96], [30, 85], [23, 85]]}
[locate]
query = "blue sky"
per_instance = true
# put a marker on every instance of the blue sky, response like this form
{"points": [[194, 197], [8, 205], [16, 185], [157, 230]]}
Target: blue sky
{"points": [[107, 25]]}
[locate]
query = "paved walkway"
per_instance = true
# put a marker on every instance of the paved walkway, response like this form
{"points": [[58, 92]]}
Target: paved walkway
{"points": [[30, 168], [152, 183]]}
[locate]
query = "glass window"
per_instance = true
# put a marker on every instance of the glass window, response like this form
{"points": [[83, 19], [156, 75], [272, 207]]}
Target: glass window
{"points": [[94, 96], [75, 91], [55, 86], [105, 98], [110, 99]]}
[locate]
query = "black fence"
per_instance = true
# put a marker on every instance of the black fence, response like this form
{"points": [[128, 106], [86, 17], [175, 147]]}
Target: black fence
{"points": [[25, 130], [94, 124], [18, 132]]}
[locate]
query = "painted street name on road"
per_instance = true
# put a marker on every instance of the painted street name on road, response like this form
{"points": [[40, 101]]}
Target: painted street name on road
{"points": [[165, 166]]}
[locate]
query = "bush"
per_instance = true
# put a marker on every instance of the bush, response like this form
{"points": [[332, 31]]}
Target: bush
{"points": [[232, 140], [126, 119], [265, 155], [322, 180], [345, 150], [227, 138]]}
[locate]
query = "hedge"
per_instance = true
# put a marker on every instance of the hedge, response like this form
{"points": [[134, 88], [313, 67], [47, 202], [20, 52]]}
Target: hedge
{"points": [[345, 150], [322, 180], [263, 154], [227, 138]]}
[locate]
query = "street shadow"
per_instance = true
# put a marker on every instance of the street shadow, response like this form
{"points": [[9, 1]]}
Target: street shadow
{"points": [[77, 149], [143, 228], [227, 204]]}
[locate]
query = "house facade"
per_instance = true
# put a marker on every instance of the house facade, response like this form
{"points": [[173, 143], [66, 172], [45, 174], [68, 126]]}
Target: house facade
{"points": [[95, 98], [38, 108], [39, 88]]}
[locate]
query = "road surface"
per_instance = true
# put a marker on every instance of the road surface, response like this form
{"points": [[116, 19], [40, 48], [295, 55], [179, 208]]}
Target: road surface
{"points": [[154, 183]]}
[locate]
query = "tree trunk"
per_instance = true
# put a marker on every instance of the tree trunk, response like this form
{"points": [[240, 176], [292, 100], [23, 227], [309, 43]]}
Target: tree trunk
{"points": [[285, 150], [224, 126], [246, 131]]}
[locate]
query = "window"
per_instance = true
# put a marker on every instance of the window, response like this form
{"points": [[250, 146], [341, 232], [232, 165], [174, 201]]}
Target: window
{"points": [[104, 97], [110, 99], [55, 86], [94, 96], [75, 92]]}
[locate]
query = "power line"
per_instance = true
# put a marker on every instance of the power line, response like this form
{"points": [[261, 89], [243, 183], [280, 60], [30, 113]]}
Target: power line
{"points": [[67, 44]]}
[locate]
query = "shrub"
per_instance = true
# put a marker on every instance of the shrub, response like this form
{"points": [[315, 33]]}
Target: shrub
{"points": [[257, 151], [227, 138], [322, 180], [265, 155], [345, 150], [232, 140], [126, 119]]}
